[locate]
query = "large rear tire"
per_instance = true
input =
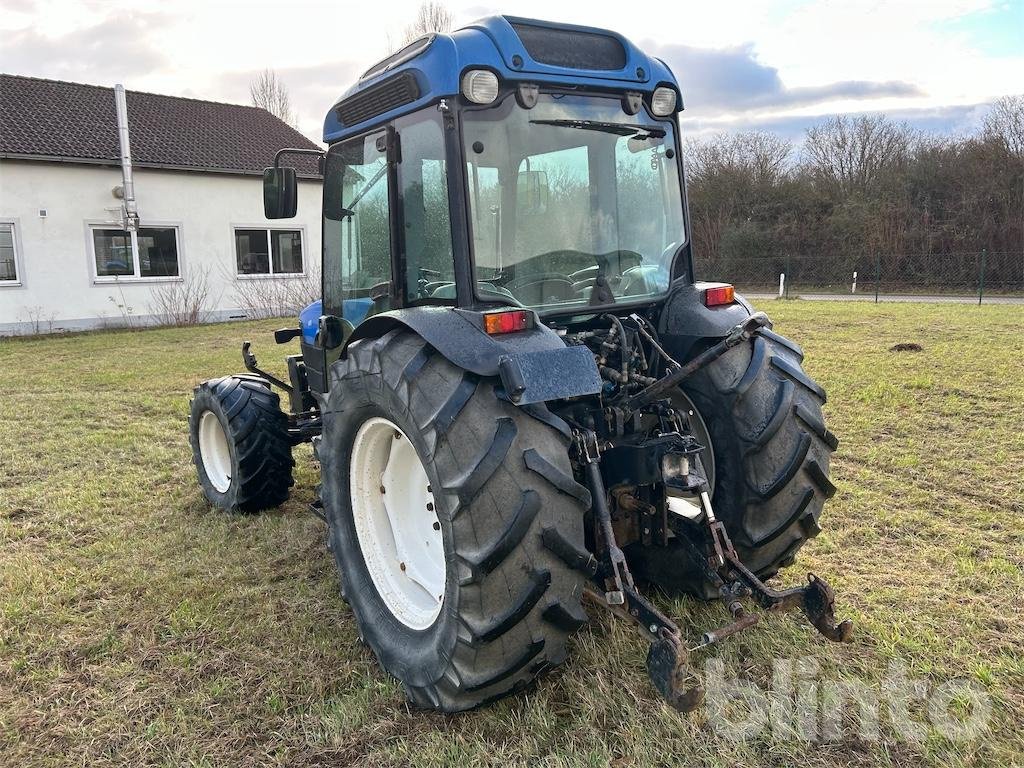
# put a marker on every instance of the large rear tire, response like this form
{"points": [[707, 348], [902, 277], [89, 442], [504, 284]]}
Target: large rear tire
{"points": [[510, 518], [771, 459], [240, 443]]}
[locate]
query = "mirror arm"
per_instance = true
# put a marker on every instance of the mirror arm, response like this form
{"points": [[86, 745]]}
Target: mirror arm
{"points": [[295, 151]]}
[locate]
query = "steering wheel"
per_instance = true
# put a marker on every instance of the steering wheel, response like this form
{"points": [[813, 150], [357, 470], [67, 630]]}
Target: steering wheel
{"points": [[447, 291], [541, 287]]}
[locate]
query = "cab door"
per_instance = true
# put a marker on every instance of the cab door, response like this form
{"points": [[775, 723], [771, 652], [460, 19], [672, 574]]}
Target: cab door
{"points": [[387, 224], [358, 266]]}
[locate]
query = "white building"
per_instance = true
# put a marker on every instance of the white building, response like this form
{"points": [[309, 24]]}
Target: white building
{"points": [[65, 260]]}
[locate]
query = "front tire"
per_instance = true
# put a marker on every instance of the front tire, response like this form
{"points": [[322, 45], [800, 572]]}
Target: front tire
{"points": [[509, 512], [240, 444]]}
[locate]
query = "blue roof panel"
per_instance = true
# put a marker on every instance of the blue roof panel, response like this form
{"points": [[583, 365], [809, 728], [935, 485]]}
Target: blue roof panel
{"points": [[492, 43]]}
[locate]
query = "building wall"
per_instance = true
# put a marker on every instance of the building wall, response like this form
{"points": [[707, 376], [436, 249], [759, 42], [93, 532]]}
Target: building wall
{"points": [[58, 284]]}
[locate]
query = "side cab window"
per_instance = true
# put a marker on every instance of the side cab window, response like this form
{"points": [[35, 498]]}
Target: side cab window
{"points": [[357, 221], [427, 230], [357, 229]]}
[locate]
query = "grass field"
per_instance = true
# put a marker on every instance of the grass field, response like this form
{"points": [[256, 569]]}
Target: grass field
{"points": [[139, 626]]}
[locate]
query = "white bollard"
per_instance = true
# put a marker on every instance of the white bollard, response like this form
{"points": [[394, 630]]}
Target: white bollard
{"points": [[854, 288], [782, 283]]}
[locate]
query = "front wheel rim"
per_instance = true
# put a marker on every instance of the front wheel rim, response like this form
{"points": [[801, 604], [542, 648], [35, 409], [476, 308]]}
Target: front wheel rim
{"points": [[396, 523], [215, 452]]}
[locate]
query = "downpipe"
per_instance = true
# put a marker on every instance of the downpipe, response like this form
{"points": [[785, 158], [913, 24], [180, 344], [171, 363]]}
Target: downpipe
{"points": [[130, 207]]}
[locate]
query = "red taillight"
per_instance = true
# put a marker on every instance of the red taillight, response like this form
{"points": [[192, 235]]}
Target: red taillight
{"points": [[506, 322], [719, 296]]}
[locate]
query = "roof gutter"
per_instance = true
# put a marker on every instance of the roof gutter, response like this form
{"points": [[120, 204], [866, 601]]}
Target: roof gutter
{"points": [[131, 211], [111, 162]]}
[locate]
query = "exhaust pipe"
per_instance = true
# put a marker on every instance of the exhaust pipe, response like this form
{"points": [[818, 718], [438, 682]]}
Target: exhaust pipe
{"points": [[130, 210]]}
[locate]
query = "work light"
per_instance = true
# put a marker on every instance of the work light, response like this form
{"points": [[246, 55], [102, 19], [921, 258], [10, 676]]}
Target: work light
{"points": [[480, 86], [663, 101]]}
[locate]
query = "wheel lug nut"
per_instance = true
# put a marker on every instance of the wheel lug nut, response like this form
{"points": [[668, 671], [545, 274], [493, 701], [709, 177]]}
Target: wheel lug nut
{"points": [[402, 566], [430, 507], [437, 526], [382, 489]]}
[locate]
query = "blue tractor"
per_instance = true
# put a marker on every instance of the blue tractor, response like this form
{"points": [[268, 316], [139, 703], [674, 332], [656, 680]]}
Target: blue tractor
{"points": [[519, 395]]}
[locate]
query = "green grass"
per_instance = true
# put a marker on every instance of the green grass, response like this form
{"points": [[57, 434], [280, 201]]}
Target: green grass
{"points": [[140, 626]]}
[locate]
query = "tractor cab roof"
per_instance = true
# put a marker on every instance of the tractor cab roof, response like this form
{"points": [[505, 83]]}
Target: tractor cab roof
{"points": [[517, 50]]}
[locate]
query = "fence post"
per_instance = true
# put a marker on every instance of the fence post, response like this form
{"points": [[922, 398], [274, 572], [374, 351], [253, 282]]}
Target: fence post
{"points": [[789, 275], [878, 273], [981, 276]]}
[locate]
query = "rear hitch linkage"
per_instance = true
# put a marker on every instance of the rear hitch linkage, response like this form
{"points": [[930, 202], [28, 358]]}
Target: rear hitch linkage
{"points": [[734, 581], [668, 656]]}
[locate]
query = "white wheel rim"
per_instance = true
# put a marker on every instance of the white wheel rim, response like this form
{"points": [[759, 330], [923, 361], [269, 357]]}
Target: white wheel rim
{"points": [[213, 447], [396, 523]]}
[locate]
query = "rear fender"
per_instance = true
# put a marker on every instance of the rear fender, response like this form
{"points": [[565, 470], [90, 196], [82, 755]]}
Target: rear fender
{"points": [[534, 365], [685, 322]]}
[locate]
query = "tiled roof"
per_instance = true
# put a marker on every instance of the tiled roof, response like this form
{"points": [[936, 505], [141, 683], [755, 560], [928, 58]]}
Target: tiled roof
{"points": [[57, 120]]}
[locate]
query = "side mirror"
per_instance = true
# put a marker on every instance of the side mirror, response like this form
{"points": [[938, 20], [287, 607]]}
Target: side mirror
{"points": [[532, 192], [280, 193], [332, 331]]}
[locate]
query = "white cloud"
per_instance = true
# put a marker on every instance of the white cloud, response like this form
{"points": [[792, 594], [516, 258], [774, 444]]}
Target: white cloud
{"points": [[788, 58]]}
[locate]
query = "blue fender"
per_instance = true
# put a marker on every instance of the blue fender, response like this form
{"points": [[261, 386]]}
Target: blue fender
{"points": [[534, 365], [353, 310], [685, 322]]}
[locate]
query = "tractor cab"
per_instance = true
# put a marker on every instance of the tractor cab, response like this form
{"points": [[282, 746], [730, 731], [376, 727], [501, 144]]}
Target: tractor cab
{"points": [[512, 163]]}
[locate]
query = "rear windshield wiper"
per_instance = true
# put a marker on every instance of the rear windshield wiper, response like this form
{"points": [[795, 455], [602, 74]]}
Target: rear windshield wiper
{"points": [[619, 129]]}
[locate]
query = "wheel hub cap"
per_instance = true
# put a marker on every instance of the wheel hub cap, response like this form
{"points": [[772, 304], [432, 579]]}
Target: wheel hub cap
{"points": [[213, 447], [396, 523]]}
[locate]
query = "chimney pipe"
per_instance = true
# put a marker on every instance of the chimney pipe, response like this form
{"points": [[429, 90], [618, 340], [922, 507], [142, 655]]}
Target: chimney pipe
{"points": [[131, 212]]}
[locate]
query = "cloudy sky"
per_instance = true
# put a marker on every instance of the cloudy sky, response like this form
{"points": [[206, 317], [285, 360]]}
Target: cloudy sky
{"points": [[780, 65]]}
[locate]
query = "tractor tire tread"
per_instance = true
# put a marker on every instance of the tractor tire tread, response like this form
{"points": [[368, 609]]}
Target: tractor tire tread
{"points": [[258, 430], [516, 602]]}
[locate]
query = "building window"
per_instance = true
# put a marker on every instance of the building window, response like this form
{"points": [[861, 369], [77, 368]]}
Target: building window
{"points": [[153, 254], [8, 254], [268, 251]]}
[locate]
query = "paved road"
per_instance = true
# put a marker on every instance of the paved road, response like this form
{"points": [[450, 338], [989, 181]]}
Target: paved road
{"points": [[892, 297]]}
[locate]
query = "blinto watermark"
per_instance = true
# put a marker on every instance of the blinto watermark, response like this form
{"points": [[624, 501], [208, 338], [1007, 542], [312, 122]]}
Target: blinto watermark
{"points": [[797, 703]]}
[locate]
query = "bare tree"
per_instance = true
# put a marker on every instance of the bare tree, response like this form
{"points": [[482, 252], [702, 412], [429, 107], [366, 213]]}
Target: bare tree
{"points": [[761, 156], [269, 92], [431, 17], [848, 154], [1005, 124], [732, 178]]}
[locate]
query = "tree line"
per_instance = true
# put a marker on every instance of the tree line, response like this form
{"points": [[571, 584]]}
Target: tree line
{"points": [[859, 188]]}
